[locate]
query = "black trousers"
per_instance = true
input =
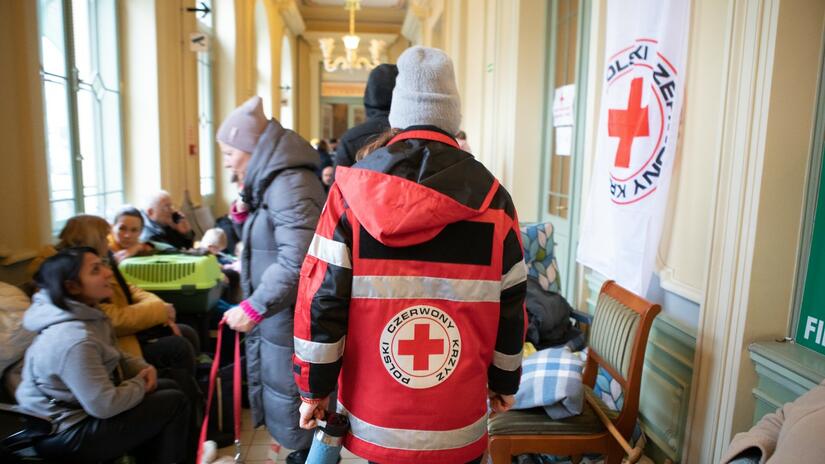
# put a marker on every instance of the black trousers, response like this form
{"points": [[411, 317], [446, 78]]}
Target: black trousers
{"points": [[173, 351], [190, 334], [174, 359], [152, 431]]}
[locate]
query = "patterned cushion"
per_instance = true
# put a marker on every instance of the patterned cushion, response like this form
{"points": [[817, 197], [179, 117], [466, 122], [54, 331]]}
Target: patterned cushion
{"points": [[612, 322], [539, 255], [608, 390], [552, 379]]}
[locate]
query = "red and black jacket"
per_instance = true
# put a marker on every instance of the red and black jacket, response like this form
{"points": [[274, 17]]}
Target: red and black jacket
{"points": [[413, 291]]}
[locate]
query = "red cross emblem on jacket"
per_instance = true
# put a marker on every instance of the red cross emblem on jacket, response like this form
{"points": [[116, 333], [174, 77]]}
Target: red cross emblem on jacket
{"points": [[421, 347]]}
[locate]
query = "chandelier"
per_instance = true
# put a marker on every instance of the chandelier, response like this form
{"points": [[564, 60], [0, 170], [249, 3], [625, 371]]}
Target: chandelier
{"points": [[351, 60]]}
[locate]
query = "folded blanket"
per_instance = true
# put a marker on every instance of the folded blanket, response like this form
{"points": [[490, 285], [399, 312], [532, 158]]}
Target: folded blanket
{"points": [[552, 378]]}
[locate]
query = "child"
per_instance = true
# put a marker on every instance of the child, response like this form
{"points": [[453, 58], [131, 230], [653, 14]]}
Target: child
{"points": [[214, 241]]}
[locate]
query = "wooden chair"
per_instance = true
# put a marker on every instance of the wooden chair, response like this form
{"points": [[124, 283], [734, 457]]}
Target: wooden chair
{"points": [[618, 338]]}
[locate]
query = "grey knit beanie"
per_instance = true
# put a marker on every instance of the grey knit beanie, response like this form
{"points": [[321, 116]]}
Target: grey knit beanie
{"points": [[244, 125], [425, 92]]}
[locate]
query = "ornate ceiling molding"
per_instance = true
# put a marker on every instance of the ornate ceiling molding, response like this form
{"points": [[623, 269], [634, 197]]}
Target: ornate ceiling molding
{"points": [[292, 16]]}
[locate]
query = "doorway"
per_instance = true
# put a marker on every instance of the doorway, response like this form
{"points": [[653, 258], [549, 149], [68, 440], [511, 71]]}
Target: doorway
{"points": [[564, 132]]}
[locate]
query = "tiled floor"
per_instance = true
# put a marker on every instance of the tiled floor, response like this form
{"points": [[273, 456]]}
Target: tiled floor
{"points": [[257, 447]]}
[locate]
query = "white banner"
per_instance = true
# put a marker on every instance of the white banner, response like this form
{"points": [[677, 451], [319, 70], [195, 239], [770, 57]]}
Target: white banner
{"points": [[643, 91]]}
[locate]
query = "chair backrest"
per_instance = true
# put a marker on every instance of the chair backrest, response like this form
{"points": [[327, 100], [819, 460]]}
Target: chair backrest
{"points": [[618, 339], [540, 256]]}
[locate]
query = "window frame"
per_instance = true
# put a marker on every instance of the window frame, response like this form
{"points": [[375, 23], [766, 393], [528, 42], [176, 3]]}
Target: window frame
{"points": [[207, 153], [73, 86]]}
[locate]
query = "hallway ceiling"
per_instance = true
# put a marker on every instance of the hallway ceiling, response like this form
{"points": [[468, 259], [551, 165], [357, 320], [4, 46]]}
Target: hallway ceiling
{"points": [[374, 16]]}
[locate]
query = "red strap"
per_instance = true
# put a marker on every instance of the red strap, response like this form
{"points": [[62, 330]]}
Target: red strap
{"points": [[426, 135], [236, 389]]}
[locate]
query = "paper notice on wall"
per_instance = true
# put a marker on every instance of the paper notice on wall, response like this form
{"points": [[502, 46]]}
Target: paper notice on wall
{"points": [[563, 105], [564, 140]]}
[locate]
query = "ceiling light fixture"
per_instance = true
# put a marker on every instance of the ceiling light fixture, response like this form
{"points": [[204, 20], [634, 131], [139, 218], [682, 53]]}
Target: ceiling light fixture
{"points": [[351, 60]]}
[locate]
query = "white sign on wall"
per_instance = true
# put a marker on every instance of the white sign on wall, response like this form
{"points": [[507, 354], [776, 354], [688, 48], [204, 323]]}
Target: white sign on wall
{"points": [[563, 105], [564, 140]]}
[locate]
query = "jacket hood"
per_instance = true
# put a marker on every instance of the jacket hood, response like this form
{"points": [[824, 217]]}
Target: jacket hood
{"points": [[43, 313], [406, 193], [277, 149], [378, 93]]}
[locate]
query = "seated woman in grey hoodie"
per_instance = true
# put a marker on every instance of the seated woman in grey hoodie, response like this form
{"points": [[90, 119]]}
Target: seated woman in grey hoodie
{"points": [[104, 403]]}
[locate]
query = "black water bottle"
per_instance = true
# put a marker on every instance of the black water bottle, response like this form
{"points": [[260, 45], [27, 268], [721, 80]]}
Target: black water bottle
{"points": [[328, 439]]}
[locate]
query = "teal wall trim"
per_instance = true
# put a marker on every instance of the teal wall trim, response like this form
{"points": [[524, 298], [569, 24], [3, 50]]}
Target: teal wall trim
{"points": [[665, 396], [594, 284], [785, 370], [666, 379]]}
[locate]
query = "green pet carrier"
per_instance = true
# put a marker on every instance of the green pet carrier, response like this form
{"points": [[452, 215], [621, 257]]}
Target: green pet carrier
{"points": [[193, 284]]}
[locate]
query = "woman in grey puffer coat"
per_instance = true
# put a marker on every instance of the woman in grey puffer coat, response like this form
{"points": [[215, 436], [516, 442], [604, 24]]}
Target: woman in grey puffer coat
{"points": [[284, 199]]}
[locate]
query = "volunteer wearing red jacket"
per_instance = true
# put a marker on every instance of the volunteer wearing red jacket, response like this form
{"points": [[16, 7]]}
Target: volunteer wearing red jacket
{"points": [[413, 287]]}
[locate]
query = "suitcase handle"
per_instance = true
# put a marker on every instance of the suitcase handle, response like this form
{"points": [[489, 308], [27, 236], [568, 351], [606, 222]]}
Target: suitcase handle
{"points": [[236, 393]]}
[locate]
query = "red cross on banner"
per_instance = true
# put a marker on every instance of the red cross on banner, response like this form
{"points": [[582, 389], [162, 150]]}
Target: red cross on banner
{"points": [[635, 147], [421, 347], [628, 124]]}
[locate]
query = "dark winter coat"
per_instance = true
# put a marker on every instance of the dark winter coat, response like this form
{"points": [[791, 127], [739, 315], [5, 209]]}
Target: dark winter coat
{"points": [[548, 314], [285, 199], [377, 100], [155, 232]]}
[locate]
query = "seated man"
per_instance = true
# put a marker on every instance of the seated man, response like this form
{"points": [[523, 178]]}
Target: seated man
{"points": [[791, 434], [166, 224]]}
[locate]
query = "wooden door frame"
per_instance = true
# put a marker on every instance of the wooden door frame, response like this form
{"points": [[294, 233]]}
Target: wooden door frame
{"points": [[568, 270]]}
